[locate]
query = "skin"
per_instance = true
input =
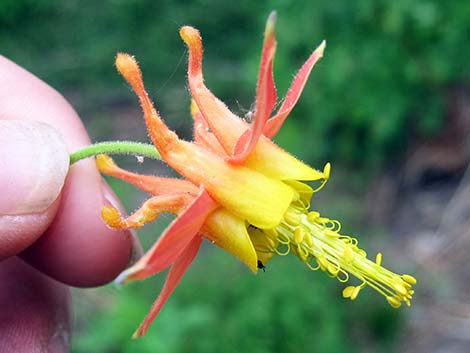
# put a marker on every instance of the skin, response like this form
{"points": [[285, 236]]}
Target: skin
{"points": [[52, 238]]}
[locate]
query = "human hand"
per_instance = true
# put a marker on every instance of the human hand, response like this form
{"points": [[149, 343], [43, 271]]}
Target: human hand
{"points": [[49, 215]]}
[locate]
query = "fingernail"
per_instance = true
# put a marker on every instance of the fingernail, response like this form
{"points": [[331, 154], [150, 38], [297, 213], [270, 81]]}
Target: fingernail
{"points": [[33, 164]]}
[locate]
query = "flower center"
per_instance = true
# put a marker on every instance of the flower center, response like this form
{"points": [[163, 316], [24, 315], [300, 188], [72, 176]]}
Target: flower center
{"points": [[318, 243]]}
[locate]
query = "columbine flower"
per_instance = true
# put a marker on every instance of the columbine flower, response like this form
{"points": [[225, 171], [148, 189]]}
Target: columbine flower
{"points": [[240, 190]]}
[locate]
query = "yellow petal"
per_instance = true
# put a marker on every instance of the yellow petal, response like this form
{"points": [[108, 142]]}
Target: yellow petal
{"points": [[273, 161], [250, 195], [229, 232]]}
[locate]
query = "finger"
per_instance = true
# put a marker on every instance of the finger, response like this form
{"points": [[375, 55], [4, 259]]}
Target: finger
{"points": [[77, 248], [35, 314], [33, 165]]}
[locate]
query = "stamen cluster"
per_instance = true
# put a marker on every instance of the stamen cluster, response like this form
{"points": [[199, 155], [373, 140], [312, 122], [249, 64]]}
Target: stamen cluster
{"points": [[318, 243]]}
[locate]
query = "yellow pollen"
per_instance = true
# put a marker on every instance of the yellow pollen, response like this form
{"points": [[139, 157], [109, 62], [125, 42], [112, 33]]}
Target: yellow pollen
{"points": [[333, 269], [348, 291], [355, 292], [323, 220], [378, 259], [312, 216], [322, 262], [332, 234], [308, 240], [394, 302], [409, 279], [326, 176], [327, 171], [299, 235], [292, 218], [302, 255], [401, 289]]}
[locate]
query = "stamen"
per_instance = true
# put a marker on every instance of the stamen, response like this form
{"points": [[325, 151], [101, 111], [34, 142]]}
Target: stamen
{"points": [[282, 253], [308, 240], [409, 279], [292, 218], [299, 235], [378, 259], [326, 176], [312, 216], [347, 292], [316, 241]]}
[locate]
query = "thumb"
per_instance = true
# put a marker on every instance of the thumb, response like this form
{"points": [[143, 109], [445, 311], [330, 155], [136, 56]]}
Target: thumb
{"points": [[33, 164]]}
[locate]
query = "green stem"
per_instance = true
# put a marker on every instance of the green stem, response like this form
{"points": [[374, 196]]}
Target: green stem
{"points": [[116, 147]]}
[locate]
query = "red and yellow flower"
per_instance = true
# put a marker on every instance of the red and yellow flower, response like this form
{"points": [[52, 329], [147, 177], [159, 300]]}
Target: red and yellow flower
{"points": [[240, 190]]}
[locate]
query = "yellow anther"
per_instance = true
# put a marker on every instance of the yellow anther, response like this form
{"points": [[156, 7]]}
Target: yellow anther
{"points": [[292, 218], [309, 240], [348, 255], [299, 235], [302, 254], [355, 292], [400, 289], [333, 269], [332, 234], [409, 279], [323, 220], [327, 171], [394, 302], [378, 259], [326, 176], [312, 216], [348, 291], [323, 263]]}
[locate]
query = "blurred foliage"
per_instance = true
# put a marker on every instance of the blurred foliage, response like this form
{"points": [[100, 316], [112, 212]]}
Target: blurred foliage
{"points": [[386, 71], [385, 76]]}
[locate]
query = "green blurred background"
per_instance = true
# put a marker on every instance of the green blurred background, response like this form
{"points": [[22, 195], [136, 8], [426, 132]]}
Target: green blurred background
{"points": [[388, 105]]}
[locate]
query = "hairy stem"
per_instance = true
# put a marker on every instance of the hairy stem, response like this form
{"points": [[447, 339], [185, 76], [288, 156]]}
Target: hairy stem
{"points": [[115, 147]]}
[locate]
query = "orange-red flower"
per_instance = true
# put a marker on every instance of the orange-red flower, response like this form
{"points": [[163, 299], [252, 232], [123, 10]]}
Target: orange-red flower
{"points": [[240, 190]]}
